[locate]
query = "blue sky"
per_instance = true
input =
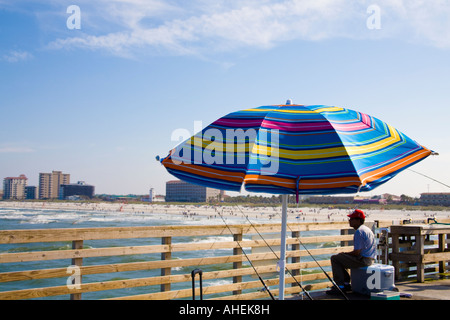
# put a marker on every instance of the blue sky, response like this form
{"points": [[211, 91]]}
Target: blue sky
{"points": [[100, 102]]}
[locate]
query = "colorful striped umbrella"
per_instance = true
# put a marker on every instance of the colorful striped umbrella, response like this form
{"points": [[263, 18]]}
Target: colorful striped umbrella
{"points": [[294, 149]]}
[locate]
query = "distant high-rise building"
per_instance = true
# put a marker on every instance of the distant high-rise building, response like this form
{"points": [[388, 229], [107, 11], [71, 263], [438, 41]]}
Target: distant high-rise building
{"points": [[14, 187], [435, 198], [177, 190], [80, 189], [31, 192], [49, 184]]}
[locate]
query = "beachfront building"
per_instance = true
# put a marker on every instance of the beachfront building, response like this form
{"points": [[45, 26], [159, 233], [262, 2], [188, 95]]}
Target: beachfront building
{"points": [[151, 194], [435, 199], [370, 200], [159, 198], [330, 200], [49, 184], [79, 190], [31, 192], [177, 190], [14, 187]]}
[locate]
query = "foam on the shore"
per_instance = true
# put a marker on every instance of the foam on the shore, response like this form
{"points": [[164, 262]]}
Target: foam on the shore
{"points": [[211, 212]]}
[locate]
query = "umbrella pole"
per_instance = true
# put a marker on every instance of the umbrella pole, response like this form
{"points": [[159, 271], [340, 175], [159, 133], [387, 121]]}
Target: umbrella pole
{"points": [[282, 262]]}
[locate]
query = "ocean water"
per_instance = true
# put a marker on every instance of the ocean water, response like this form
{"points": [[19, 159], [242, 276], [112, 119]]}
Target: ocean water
{"points": [[19, 218]]}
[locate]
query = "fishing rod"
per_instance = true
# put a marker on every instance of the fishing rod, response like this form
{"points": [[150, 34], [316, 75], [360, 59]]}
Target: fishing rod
{"points": [[290, 273], [242, 249], [329, 278], [429, 178]]}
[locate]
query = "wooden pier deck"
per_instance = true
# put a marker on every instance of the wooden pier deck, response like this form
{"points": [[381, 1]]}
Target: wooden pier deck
{"points": [[432, 289]]}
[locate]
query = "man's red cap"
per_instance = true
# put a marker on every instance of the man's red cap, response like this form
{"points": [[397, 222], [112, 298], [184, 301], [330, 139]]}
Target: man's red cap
{"points": [[357, 214]]}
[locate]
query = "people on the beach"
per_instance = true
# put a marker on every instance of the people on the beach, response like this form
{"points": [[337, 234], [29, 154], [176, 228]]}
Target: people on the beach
{"points": [[363, 254]]}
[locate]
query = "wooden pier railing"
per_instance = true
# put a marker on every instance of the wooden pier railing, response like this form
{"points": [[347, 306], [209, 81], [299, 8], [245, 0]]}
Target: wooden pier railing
{"points": [[156, 262]]}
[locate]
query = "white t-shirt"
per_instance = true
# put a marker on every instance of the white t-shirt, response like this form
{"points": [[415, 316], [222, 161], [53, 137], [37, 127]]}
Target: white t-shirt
{"points": [[364, 240]]}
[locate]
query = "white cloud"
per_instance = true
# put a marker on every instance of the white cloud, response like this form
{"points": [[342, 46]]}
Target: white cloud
{"points": [[432, 23], [16, 56], [223, 27], [417, 21], [202, 27]]}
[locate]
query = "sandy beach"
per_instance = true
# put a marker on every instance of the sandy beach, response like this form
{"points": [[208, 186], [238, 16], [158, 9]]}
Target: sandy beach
{"points": [[211, 211]]}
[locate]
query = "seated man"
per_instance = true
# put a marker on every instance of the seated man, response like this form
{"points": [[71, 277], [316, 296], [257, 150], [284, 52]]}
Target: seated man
{"points": [[363, 254]]}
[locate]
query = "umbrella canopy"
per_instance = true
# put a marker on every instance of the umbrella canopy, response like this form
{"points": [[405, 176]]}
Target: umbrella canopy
{"points": [[295, 149]]}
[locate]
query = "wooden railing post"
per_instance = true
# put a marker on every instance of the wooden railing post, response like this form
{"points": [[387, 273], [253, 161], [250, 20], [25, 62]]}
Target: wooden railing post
{"points": [[237, 265], [384, 246], [441, 248], [77, 244], [295, 247], [345, 232], [166, 256]]}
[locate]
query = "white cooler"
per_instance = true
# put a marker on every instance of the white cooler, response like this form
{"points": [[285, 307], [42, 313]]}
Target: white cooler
{"points": [[374, 278]]}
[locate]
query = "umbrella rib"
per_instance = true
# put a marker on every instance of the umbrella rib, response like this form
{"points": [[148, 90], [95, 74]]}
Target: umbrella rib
{"points": [[346, 152]]}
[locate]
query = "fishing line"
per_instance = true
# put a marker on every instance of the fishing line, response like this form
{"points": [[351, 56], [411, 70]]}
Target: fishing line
{"points": [[429, 178], [329, 278], [267, 244], [243, 251], [299, 256]]}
